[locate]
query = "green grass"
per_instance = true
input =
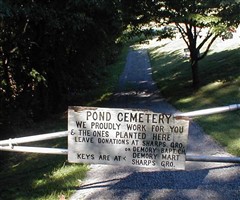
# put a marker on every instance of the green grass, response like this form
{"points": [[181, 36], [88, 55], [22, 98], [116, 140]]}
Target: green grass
{"points": [[25, 176], [40, 176], [220, 85]]}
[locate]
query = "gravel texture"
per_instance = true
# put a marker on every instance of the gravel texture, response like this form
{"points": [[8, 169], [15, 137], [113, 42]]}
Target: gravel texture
{"points": [[199, 181]]}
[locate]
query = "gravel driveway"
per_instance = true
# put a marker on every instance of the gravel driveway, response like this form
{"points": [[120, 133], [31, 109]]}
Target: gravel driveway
{"points": [[199, 181]]}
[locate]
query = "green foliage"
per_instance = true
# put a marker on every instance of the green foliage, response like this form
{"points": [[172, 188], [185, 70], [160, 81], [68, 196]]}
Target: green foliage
{"points": [[107, 84], [49, 49]]}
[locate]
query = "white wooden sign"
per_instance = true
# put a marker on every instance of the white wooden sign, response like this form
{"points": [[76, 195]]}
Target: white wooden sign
{"points": [[126, 137]]}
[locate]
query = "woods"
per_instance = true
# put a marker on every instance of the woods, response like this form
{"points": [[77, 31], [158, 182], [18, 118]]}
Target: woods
{"points": [[49, 49]]}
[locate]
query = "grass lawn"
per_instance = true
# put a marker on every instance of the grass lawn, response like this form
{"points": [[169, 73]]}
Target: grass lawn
{"points": [[25, 176], [220, 85], [40, 176]]}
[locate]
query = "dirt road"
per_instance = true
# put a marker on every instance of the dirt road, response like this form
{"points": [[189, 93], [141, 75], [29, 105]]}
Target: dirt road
{"points": [[199, 181]]}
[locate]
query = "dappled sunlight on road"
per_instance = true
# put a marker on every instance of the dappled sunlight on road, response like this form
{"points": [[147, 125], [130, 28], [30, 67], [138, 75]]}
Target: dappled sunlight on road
{"points": [[142, 184]]}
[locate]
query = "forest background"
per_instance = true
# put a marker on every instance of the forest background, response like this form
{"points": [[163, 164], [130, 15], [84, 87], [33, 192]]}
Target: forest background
{"points": [[52, 51]]}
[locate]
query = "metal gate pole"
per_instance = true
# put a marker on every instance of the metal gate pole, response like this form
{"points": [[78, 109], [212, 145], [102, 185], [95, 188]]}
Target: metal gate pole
{"points": [[40, 150], [209, 111], [34, 138], [203, 158]]}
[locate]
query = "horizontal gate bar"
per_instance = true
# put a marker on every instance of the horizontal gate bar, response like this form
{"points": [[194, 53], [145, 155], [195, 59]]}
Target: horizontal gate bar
{"points": [[209, 111], [42, 150], [204, 158], [59, 151], [9, 144], [47, 136], [60, 134]]}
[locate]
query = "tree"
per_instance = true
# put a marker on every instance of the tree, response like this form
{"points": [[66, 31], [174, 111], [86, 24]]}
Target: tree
{"points": [[191, 17], [48, 48]]}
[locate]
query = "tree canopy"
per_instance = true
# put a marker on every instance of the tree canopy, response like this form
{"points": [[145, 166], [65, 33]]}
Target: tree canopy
{"points": [[48, 48], [191, 17]]}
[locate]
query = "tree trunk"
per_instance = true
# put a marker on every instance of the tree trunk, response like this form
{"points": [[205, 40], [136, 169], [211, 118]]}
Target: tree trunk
{"points": [[195, 76]]}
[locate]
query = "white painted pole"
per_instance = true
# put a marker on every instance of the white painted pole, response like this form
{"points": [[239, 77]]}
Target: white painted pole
{"points": [[205, 158], [189, 157], [41, 150], [209, 111], [48, 136]]}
